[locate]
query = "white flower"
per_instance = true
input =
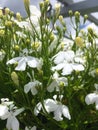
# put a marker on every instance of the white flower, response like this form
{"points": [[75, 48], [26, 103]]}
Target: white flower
{"points": [[9, 111], [34, 11], [32, 86], [64, 56], [56, 82], [25, 60], [65, 61], [59, 110], [49, 105], [92, 97]]}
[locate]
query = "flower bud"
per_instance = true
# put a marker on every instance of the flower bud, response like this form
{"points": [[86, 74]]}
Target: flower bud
{"points": [[14, 78], [90, 30], [18, 16], [77, 16], [97, 71], [41, 5], [85, 17], [70, 13], [57, 8], [90, 38], [7, 11], [27, 3], [2, 32], [61, 18], [51, 37], [8, 23], [47, 21], [35, 45], [46, 2], [27, 41], [79, 41], [17, 48]]}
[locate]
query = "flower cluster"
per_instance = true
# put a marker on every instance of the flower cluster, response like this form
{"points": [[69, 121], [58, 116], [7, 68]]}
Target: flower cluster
{"points": [[47, 76]]}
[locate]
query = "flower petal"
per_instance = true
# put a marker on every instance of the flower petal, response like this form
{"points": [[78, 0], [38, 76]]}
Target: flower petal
{"points": [[27, 87], [90, 98], [21, 65], [4, 113], [14, 60], [67, 70], [65, 112], [37, 109], [50, 105], [12, 123], [52, 86], [58, 114]]}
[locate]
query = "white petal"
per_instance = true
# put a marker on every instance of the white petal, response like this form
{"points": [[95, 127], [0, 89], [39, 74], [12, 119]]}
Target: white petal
{"points": [[90, 98], [37, 109], [50, 105], [97, 105], [67, 70], [18, 111], [14, 60], [78, 67], [52, 86], [59, 58], [65, 112], [34, 11], [58, 114], [21, 65], [34, 128], [32, 62], [58, 67], [4, 113], [34, 90], [27, 87], [69, 55], [12, 123]]}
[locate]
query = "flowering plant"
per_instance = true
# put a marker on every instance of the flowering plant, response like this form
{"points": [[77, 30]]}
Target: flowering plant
{"points": [[47, 81]]}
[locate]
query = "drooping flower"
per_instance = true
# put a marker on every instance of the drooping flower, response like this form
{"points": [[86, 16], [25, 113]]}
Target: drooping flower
{"points": [[33, 86], [59, 110], [9, 111]]}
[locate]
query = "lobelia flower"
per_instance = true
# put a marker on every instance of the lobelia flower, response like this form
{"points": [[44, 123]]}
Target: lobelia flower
{"points": [[64, 61], [9, 111], [33, 86], [56, 82], [92, 97], [59, 110], [26, 60]]}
